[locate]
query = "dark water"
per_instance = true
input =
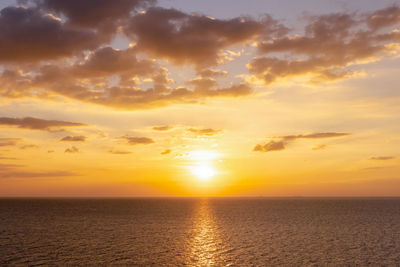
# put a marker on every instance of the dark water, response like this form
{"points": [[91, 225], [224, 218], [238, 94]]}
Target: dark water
{"points": [[200, 232]]}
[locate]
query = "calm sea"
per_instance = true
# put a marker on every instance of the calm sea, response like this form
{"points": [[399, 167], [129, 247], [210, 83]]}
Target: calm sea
{"points": [[200, 232]]}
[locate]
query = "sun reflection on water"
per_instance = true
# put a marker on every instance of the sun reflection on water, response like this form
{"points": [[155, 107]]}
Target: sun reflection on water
{"points": [[206, 247]]}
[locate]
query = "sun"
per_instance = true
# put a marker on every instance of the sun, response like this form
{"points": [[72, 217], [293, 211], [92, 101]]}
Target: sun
{"points": [[203, 171]]}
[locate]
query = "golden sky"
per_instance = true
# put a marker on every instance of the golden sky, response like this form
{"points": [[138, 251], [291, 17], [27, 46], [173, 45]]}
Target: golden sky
{"points": [[144, 98]]}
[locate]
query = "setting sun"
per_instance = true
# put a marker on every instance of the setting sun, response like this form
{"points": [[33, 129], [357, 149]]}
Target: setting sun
{"points": [[203, 171]]}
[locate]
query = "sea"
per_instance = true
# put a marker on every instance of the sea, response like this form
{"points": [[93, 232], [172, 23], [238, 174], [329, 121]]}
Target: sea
{"points": [[200, 232]]}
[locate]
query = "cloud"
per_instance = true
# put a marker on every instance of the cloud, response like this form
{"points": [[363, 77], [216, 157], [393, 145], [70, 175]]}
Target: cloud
{"points": [[93, 13], [212, 73], [28, 35], [192, 38], [162, 128], [283, 141], [28, 146], [383, 158], [119, 152], [37, 124], [330, 45], [9, 141], [77, 138], [319, 147], [72, 149], [314, 135], [204, 131], [27, 174], [88, 81], [165, 152], [132, 140], [270, 146], [386, 17], [8, 166]]}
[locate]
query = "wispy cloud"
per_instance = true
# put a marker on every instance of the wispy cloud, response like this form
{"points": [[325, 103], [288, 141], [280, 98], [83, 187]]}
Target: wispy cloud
{"points": [[283, 141], [37, 124], [204, 131], [133, 140], [382, 158], [77, 138]]}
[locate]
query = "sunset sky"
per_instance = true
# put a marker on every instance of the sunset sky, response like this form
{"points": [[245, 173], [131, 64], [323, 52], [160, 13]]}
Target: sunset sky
{"points": [[199, 98]]}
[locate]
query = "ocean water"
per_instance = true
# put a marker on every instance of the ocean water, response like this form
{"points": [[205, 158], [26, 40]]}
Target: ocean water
{"points": [[200, 232]]}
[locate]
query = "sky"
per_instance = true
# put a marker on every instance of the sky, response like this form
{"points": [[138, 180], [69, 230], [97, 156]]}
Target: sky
{"points": [[174, 98]]}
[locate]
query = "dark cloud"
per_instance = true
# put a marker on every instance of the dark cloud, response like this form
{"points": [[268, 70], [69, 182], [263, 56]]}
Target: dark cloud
{"points": [[330, 44], [383, 158], [107, 61], [162, 128], [192, 38], [72, 149], [77, 138], [37, 124], [133, 140], [283, 141], [204, 131], [166, 152], [26, 34], [94, 13]]}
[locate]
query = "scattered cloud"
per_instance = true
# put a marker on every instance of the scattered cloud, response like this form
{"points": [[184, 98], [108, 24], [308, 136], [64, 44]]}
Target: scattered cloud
{"points": [[133, 140], [77, 138], [204, 131], [27, 174], [162, 128], [165, 152], [283, 141], [319, 147], [119, 152], [29, 146], [9, 141], [37, 124], [383, 158], [270, 146], [72, 149]]}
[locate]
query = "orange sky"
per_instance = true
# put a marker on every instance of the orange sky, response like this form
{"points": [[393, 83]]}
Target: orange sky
{"points": [[145, 98]]}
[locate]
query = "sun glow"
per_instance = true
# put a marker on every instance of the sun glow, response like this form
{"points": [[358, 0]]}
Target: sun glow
{"points": [[203, 171], [203, 167]]}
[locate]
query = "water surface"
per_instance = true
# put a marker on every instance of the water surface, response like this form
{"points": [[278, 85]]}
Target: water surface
{"points": [[200, 232]]}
